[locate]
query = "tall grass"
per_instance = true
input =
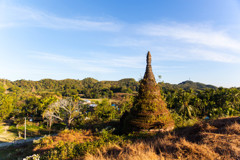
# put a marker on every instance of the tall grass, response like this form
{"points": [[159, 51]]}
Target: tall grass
{"points": [[1, 129], [217, 139]]}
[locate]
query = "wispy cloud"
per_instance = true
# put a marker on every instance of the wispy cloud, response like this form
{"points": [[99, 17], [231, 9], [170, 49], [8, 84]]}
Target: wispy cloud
{"points": [[92, 64], [87, 65], [186, 53], [183, 42], [193, 34], [13, 15], [214, 56], [129, 62]]}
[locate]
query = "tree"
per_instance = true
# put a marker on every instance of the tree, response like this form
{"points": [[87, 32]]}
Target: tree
{"points": [[32, 107], [6, 106], [2, 89], [65, 110], [104, 111], [184, 106]]}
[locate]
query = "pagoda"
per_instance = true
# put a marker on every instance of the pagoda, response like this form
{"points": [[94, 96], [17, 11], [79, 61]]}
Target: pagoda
{"points": [[149, 111]]}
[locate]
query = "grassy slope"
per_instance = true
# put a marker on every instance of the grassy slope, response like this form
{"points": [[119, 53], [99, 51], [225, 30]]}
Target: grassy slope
{"points": [[5, 134], [218, 139], [9, 133]]}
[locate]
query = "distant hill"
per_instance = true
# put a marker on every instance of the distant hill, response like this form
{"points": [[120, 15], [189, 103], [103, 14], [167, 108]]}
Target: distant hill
{"points": [[89, 87], [195, 85], [187, 85]]}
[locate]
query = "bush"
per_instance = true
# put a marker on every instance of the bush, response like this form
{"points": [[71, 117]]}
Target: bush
{"points": [[70, 149], [33, 157], [104, 111], [183, 122]]}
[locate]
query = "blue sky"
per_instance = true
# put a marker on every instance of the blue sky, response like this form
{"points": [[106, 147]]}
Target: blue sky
{"points": [[108, 40]]}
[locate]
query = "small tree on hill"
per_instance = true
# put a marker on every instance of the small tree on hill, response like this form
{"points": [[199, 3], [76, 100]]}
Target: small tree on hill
{"points": [[65, 110]]}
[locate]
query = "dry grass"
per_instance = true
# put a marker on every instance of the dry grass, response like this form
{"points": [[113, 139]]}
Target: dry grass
{"points": [[6, 135], [233, 129], [218, 139], [64, 136], [74, 136], [137, 151]]}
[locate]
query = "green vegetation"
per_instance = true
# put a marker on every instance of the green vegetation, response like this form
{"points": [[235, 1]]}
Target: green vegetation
{"points": [[215, 139], [12, 132], [34, 100], [22, 100], [221, 102], [70, 149], [105, 112], [186, 105], [186, 85], [88, 87], [1, 129]]}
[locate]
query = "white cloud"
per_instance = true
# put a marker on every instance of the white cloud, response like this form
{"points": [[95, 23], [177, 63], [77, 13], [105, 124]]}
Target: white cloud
{"points": [[87, 65], [129, 41], [169, 41], [12, 15], [214, 56], [192, 34], [129, 62], [196, 54], [105, 64], [183, 42]]}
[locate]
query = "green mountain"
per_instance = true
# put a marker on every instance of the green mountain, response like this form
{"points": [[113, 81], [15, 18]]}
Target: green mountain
{"points": [[195, 85], [186, 85], [89, 87]]}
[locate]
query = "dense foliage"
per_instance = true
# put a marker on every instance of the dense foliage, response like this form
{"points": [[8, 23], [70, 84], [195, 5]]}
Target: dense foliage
{"points": [[210, 103], [88, 87], [31, 99], [40, 101]]}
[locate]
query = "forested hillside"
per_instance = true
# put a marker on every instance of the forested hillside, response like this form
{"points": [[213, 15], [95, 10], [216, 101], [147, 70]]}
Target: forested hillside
{"points": [[189, 85], [88, 87], [186, 100], [52, 105]]}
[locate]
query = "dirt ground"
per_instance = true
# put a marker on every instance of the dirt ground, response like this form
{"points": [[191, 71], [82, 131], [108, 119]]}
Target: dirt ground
{"points": [[6, 135]]}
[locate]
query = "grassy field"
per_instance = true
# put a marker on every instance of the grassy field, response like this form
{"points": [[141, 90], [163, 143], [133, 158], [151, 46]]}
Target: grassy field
{"points": [[12, 132], [99, 100], [6, 135], [213, 139], [16, 153], [1, 129], [209, 140]]}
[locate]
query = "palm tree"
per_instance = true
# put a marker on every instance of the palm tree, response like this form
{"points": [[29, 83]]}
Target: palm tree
{"points": [[184, 107]]}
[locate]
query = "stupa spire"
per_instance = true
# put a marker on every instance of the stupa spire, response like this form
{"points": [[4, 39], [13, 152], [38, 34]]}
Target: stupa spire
{"points": [[148, 73], [149, 58]]}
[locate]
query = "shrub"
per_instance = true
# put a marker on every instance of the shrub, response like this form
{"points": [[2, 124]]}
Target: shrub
{"points": [[33, 157], [70, 144]]}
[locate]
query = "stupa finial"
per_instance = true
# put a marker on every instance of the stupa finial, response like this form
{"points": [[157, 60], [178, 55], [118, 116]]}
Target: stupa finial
{"points": [[149, 58], [149, 73]]}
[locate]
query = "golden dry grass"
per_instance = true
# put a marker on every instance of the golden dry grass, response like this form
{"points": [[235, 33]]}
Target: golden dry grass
{"points": [[65, 136], [6, 135], [218, 139], [137, 151]]}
